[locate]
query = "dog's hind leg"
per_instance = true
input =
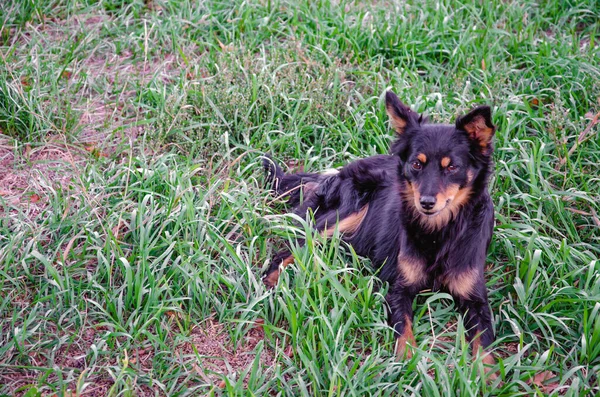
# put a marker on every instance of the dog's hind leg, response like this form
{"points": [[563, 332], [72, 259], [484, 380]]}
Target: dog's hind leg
{"points": [[280, 261], [349, 224]]}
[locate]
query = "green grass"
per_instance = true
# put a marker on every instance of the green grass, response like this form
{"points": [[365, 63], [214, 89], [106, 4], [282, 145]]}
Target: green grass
{"points": [[133, 218]]}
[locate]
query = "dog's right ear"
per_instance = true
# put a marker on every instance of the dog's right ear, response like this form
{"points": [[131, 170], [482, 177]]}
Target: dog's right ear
{"points": [[478, 124], [401, 116]]}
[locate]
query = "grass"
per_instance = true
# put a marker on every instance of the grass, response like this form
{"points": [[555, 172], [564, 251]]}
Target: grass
{"points": [[134, 224]]}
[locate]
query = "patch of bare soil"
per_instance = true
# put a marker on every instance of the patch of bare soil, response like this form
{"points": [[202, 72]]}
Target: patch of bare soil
{"points": [[70, 357], [107, 83], [28, 175], [108, 79], [20, 381], [218, 358], [114, 116]]}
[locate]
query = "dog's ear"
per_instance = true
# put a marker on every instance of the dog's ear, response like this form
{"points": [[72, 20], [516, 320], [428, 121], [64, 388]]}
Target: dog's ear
{"points": [[478, 124], [401, 116]]}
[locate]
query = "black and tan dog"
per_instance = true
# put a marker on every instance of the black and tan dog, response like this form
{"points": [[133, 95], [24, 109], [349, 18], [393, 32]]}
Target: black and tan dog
{"points": [[422, 214]]}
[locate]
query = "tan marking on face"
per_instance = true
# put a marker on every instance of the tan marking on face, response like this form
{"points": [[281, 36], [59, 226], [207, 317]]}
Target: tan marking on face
{"points": [[462, 284], [398, 124], [406, 339], [445, 162], [411, 269], [446, 197], [407, 192], [416, 194], [460, 198], [412, 196], [350, 224], [422, 158], [479, 130], [441, 219], [442, 199], [271, 279]]}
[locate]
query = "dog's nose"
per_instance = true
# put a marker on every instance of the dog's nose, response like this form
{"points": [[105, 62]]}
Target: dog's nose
{"points": [[427, 202]]}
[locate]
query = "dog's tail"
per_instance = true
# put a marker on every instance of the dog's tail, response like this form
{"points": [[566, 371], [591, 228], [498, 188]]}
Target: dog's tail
{"points": [[273, 172]]}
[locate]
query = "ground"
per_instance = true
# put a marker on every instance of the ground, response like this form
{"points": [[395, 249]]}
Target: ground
{"points": [[134, 224]]}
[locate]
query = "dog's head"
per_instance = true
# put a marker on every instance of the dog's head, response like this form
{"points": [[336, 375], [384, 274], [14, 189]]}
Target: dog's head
{"points": [[441, 165]]}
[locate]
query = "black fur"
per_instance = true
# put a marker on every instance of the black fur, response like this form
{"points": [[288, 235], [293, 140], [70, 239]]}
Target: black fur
{"points": [[414, 247]]}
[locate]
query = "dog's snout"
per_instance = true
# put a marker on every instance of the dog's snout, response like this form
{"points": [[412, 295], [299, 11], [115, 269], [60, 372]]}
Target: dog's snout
{"points": [[427, 202]]}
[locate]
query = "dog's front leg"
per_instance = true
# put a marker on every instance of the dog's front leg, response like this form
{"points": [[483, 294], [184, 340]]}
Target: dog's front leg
{"points": [[400, 299], [470, 295], [478, 322]]}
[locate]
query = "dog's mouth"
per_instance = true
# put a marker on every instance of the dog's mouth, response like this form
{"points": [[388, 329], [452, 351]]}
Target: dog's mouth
{"points": [[435, 210]]}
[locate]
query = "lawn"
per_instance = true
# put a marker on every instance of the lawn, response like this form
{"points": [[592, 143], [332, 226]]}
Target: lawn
{"points": [[135, 226]]}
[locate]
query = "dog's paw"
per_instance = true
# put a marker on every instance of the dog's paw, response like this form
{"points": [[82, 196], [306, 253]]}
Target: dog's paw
{"points": [[270, 279]]}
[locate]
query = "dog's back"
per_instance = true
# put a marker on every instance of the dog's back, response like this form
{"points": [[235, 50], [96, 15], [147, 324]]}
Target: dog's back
{"points": [[332, 195]]}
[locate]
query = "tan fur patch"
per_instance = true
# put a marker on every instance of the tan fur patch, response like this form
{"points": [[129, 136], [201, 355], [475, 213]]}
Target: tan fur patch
{"points": [[350, 224], [445, 162], [422, 158], [404, 340], [435, 222], [489, 360], [470, 176], [271, 279], [411, 269], [416, 195], [488, 357], [476, 344], [479, 130], [398, 124], [407, 192], [459, 198], [449, 194], [463, 283]]}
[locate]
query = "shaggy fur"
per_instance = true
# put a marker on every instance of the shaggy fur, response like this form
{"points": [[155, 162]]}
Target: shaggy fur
{"points": [[422, 214]]}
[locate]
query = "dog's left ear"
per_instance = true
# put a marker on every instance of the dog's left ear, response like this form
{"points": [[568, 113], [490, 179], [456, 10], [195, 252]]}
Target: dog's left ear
{"points": [[478, 124]]}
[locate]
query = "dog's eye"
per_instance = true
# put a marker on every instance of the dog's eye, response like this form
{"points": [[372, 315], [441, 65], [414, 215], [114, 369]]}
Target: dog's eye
{"points": [[452, 168], [417, 165]]}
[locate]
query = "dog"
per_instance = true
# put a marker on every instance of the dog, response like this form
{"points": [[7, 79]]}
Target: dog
{"points": [[422, 214]]}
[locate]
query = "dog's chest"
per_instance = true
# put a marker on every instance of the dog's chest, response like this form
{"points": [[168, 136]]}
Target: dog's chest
{"points": [[424, 261]]}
